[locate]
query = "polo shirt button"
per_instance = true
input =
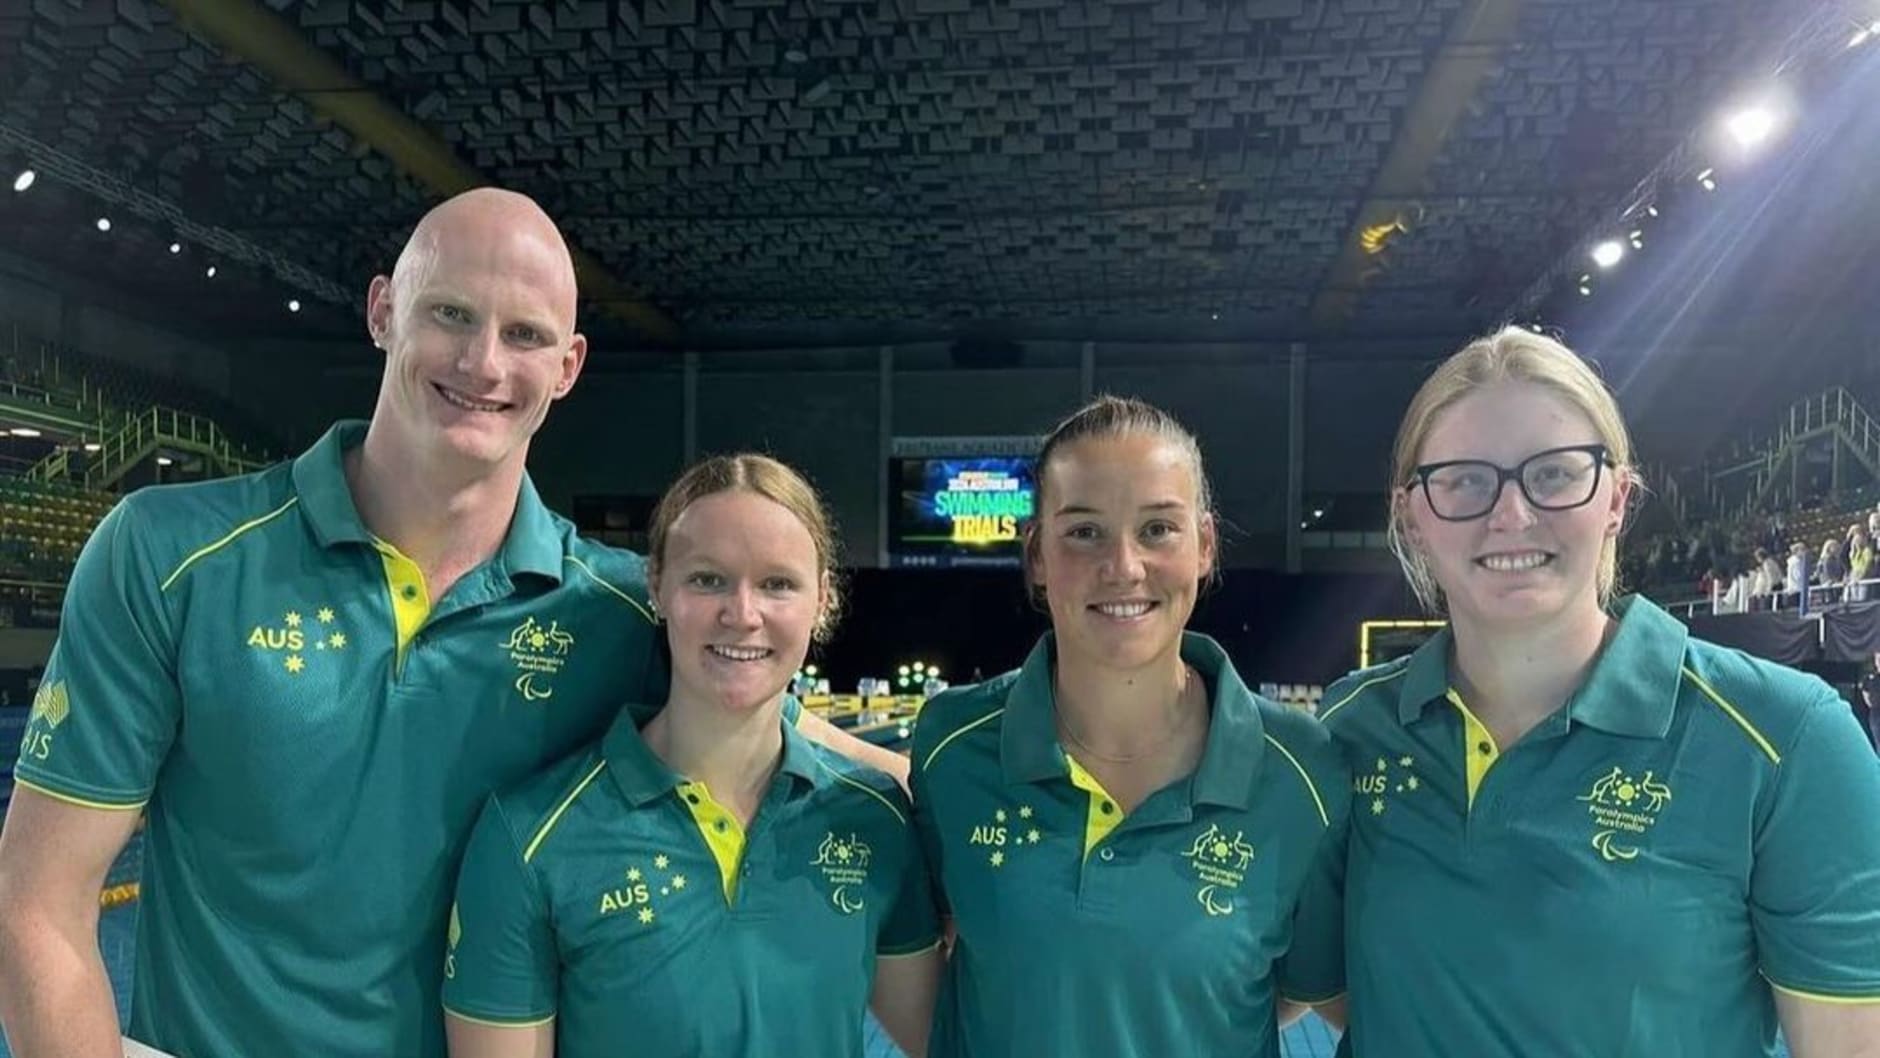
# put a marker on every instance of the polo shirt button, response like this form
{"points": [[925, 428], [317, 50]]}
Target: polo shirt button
{"points": [[1107, 855], [692, 797], [411, 591], [1484, 748], [720, 825], [1106, 808]]}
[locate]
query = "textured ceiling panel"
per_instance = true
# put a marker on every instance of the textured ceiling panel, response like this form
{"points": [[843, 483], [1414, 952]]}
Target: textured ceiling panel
{"points": [[787, 166]]}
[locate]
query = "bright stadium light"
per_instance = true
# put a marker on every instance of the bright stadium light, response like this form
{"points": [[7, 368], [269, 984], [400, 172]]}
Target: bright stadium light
{"points": [[24, 431], [104, 223], [293, 305], [1751, 126], [164, 461], [210, 272], [24, 180], [176, 247], [1608, 253], [93, 446]]}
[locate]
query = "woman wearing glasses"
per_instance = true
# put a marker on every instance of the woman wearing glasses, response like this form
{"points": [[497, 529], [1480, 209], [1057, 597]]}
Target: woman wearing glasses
{"points": [[1579, 831]]}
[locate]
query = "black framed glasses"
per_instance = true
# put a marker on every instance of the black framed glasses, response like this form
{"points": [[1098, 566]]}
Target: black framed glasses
{"points": [[1558, 479]]}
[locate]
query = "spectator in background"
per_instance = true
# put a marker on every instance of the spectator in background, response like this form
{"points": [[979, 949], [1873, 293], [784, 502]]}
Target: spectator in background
{"points": [[1765, 578], [1831, 570], [1777, 536], [1797, 578], [1873, 523], [1860, 565], [1736, 594]]}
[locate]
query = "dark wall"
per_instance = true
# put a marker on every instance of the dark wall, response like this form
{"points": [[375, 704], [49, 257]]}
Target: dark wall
{"points": [[37, 307], [622, 430], [1277, 628]]}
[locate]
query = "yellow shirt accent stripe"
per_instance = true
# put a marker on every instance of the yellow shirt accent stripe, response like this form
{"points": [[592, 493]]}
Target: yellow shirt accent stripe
{"points": [[1103, 815], [1479, 751], [1741, 721], [542, 832], [624, 597], [1311, 786], [722, 832], [928, 763], [885, 803], [202, 552], [79, 801], [461, 1016], [1845, 1001], [1359, 689]]}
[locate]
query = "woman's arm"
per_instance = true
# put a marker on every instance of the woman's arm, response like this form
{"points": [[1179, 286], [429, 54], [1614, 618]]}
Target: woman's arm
{"points": [[903, 998], [1825, 1028], [479, 1039]]}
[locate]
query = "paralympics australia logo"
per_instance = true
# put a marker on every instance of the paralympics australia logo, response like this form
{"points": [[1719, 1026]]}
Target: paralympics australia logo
{"points": [[1220, 863], [1623, 808], [844, 863], [538, 652]]}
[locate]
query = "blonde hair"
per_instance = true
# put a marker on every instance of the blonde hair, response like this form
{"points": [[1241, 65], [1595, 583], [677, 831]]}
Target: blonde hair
{"points": [[1513, 354], [774, 481]]}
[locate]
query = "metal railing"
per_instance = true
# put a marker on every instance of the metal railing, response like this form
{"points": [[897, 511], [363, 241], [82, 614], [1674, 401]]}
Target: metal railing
{"points": [[1811, 599], [159, 427], [1833, 410]]}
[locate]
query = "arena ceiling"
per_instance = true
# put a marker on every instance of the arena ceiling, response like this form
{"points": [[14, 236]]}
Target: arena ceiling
{"points": [[757, 172]]}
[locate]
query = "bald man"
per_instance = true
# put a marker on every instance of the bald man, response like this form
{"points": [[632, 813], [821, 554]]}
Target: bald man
{"points": [[306, 681]]}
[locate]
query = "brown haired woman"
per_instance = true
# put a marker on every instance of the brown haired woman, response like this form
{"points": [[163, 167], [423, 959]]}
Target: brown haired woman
{"points": [[714, 883], [1121, 828]]}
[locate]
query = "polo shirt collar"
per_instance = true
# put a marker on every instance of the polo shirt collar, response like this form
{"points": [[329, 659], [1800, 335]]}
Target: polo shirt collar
{"points": [[1632, 689], [1426, 676], [1230, 764], [320, 483], [532, 545], [642, 777]]}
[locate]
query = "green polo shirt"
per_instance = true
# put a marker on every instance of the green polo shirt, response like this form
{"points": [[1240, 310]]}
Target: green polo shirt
{"points": [[1692, 827], [311, 741], [1084, 931], [619, 899]]}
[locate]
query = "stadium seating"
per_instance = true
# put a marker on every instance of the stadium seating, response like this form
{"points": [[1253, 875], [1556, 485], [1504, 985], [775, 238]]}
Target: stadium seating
{"points": [[43, 525]]}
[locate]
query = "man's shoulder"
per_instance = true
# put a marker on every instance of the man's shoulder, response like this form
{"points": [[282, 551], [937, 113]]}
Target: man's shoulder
{"points": [[591, 566], [168, 527]]}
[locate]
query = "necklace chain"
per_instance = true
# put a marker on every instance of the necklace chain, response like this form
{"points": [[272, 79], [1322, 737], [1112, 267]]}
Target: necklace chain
{"points": [[1176, 728]]}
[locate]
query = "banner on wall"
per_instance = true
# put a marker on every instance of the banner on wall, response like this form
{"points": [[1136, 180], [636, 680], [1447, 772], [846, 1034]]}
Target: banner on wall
{"points": [[1851, 633], [1782, 637]]}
